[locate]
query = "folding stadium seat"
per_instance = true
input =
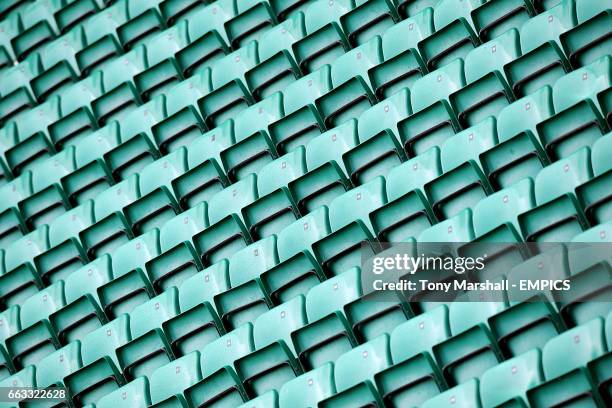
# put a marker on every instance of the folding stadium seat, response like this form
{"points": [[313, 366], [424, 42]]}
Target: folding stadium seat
{"points": [[59, 65], [157, 203], [325, 40], [137, 148], [12, 5], [301, 234], [221, 239], [408, 212], [428, 126], [456, 229], [82, 313], [11, 323], [111, 228], [357, 204], [302, 121], [578, 121], [183, 123], [464, 395], [66, 253], [15, 88], [130, 286], [558, 215], [454, 36], [34, 145], [278, 68], [563, 359], [414, 377], [169, 381], [73, 13], [496, 18], [198, 324], [593, 195], [162, 70], [487, 92], [120, 94], [77, 120], [246, 300], [328, 334], [23, 378], [149, 348], [21, 279], [532, 109], [501, 384], [232, 199], [133, 394], [309, 388], [231, 97], [252, 18], [354, 373], [543, 61], [331, 145], [15, 102], [100, 374], [36, 339], [39, 27], [352, 90], [380, 149], [368, 20], [219, 378], [144, 21], [274, 209], [274, 363], [588, 41], [52, 369], [253, 148], [207, 46], [403, 64]]}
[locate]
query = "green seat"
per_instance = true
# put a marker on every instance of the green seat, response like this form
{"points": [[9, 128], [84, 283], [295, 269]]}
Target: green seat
{"points": [[318, 187], [12, 225], [309, 388], [222, 388], [100, 374], [543, 61], [328, 335], [282, 170], [169, 381], [325, 40], [59, 64], [285, 9], [232, 199], [258, 117], [22, 378], [271, 213], [111, 229], [11, 25], [563, 359], [514, 159], [19, 77], [587, 41], [278, 68], [83, 313], [72, 14], [366, 21], [39, 27], [120, 93], [301, 234], [252, 19], [132, 394], [354, 373], [357, 204], [558, 214], [39, 306], [11, 323], [66, 253], [149, 348], [385, 115], [403, 64], [307, 89], [137, 148], [274, 363], [592, 195], [532, 109], [77, 119], [49, 200], [157, 203], [221, 239], [425, 331], [130, 286], [225, 102], [454, 36], [492, 20], [35, 341], [332, 144], [205, 177], [461, 396], [163, 71], [473, 309], [52, 369], [246, 300], [437, 85], [501, 384], [198, 323], [183, 122], [144, 21], [23, 250], [226, 350], [352, 93], [34, 145], [234, 65], [92, 175], [102, 41], [503, 207], [455, 229], [469, 144], [207, 45]]}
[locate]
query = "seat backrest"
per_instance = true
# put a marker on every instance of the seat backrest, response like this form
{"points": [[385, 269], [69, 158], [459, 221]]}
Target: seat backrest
{"points": [[492, 55], [456, 229], [154, 312], [462, 396], [331, 295], [116, 197], [187, 92], [57, 365], [281, 171], [132, 394], [70, 223], [302, 233], [361, 363], [233, 199], [437, 85], [548, 26], [525, 114], [407, 33], [309, 388], [234, 65], [210, 144], [105, 340], [331, 145], [204, 285], [563, 176], [136, 253], [227, 349], [253, 260], [414, 173], [468, 144], [447, 11], [385, 115], [167, 43], [323, 12], [583, 83], [357, 62], [124, 68], [601, 153], [282, 36], [307, 89], [162, 171], [357, 204], [26, 248], [88, 278], [53, 169], [40, 305], [259, 116], [183, 227], [174, 377], [278, 323]]}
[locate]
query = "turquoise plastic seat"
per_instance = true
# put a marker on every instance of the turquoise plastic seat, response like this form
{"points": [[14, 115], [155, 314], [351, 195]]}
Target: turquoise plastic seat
{"points": [[106, 340], [234, 65], [532, 110], [250, 262], [233, 199], [42, 304], [301, 234], [385, 115], [492, 20], [437, 85], [309, 388], [169, 381], [132, 394], [583, 83], [282, 36], [307, 89], [225, 350], [548, 25], [281, 171], [331, 145], [25, 249], [52, 369], [460, 396], [357, 204], [468, 144], [268, 329], [456, 229], [258, 117], [586, 42]]}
